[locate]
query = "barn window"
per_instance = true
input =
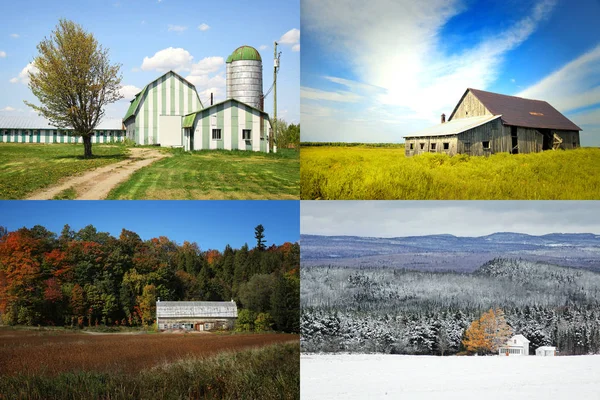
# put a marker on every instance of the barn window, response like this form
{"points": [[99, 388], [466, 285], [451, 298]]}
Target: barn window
{"points": [[422, 145], [412, 146], [216, 134], [432, 146], [446, 146], [246, 134], [486, 144]]}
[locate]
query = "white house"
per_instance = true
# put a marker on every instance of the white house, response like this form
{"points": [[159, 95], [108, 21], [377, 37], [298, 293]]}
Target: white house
{"points": [[517, 345], [545, 351]]}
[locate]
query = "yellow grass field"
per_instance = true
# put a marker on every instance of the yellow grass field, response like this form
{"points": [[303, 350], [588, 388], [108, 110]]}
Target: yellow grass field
{"points": [[384, 173]]}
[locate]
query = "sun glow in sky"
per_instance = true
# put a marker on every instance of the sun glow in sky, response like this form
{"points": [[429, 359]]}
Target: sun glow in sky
{"points": [[376, 71]]}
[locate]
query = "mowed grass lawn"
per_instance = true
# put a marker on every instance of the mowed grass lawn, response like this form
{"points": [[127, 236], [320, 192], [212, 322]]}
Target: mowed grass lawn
{"points": [[25, 168], [216, 175], [364, 172]]}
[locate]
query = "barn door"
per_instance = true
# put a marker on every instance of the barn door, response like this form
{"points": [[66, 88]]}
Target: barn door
{"points": [[467, 148], [514, 139], [191, 132]]}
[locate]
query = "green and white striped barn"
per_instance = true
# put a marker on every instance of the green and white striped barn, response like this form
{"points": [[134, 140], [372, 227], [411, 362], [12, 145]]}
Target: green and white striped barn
{"points": [[35, 129], [228, 125], [155, 114]]}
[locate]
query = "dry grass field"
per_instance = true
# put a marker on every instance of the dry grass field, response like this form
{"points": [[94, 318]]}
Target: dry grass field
{"points": [[56, 364], [52, 352]]}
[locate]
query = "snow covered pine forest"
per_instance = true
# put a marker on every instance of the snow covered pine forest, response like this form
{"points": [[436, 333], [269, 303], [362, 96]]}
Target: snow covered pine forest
{"points": [[364, 309]]}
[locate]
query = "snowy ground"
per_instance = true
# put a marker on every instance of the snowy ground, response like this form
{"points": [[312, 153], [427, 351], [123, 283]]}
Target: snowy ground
{"points": [[357, 376]]}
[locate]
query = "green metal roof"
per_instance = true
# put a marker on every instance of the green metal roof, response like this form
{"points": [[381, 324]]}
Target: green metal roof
{"points": [[134, 104], [244, 53], [188, 120], [138, 97]]}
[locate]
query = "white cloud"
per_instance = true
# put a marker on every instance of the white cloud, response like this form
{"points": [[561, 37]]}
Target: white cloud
{"points": [[176, 59], [398, 46], [8, 109], [15, 35], [203, 27], [207, 65], [290, 37], [23, 75], [129, 91], [2, 54], [208, 76], [263, 47], [177, 28], [571, 86], [338, 96]]}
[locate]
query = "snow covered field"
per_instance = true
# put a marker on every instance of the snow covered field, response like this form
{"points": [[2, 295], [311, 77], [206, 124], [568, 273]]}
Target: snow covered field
{"points": [[357, 376]]}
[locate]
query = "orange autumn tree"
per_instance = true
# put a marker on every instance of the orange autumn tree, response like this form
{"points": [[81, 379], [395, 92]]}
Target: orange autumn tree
{"points": [[486, 334]]}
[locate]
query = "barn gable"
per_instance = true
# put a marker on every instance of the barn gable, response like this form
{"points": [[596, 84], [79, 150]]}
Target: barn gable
{"points": [[167, 96], [515, 111]]}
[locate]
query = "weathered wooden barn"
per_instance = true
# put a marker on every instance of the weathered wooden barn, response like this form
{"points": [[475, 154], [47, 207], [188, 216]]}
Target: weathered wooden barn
{"points": [[484, 123], [196, 315], [35, 129]]}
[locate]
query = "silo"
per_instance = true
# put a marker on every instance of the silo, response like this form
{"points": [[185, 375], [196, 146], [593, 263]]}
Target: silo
{"points": [[244, 76]]}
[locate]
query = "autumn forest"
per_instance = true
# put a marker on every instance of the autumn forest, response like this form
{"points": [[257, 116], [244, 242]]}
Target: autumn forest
{"points": [[90, 278]]}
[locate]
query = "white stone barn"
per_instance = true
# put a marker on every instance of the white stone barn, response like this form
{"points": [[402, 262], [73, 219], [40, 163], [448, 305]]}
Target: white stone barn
{"points": [[517, 345], [196, 315], [545, 351]]}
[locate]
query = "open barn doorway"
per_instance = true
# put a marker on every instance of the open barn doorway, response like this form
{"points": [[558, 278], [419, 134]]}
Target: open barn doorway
{"points": [[547, 139], [515, 140]]}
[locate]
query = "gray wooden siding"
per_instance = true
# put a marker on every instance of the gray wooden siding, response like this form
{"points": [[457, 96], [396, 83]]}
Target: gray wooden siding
{"points": [[424, 145], [471, 141], [470, 106], [570, 139]]}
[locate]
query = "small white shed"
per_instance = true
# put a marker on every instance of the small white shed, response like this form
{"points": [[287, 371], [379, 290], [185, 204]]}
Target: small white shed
{"points": [[517, 345], [545, 351]]}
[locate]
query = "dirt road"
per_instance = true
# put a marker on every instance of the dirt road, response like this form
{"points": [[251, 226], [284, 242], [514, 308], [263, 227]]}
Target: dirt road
{"points": [[96, 184]]}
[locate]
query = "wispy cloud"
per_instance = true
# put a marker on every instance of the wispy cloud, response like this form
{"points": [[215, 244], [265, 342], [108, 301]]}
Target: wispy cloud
{"points": [[203, 27], [571, 86], [337, 96], [8, 109], [15, 35], [177, 28], [263, 47], [2, 54]]}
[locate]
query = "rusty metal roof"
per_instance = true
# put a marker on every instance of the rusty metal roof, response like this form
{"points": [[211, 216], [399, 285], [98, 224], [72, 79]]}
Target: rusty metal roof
{"points": [[522, 112]]}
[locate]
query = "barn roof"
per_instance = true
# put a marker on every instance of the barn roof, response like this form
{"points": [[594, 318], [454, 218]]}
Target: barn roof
{"points": [[520, 338], [133, 106], [518, 111], [37, 122], [455, 126], [188, 119], [196, 309]]}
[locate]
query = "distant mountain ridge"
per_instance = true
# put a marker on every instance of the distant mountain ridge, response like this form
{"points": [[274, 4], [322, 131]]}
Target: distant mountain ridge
{"points": [[449, 252]]}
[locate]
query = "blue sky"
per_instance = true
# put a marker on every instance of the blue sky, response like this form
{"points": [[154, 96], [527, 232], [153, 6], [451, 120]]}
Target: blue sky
{"points": [[375, 71], [212, 224], [150, 37]]}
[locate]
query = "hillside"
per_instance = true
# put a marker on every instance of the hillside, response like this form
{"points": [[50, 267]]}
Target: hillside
{"points": [[450, 253], [401, 311]]}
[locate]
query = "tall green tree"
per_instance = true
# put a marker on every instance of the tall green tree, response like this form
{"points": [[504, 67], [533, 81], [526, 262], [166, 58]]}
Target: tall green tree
{"points": [[259, 234], [73, 80]]}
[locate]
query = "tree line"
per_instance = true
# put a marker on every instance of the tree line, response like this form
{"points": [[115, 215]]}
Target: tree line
{"points": [[88, 278], [412, 312]]}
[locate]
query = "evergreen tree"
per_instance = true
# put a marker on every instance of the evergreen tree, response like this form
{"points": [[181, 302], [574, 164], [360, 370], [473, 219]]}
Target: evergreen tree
{"points": [[259, 235]]}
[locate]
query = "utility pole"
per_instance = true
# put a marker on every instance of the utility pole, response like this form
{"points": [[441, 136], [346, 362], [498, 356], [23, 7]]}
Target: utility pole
{"points": [[275, 69]]}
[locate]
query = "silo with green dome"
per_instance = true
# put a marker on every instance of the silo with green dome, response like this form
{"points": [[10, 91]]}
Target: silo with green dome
{"points": [[244, 76]]}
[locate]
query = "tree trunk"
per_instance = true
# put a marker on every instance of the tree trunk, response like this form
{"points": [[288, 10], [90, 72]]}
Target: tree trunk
{"points": [[87, 146]]}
